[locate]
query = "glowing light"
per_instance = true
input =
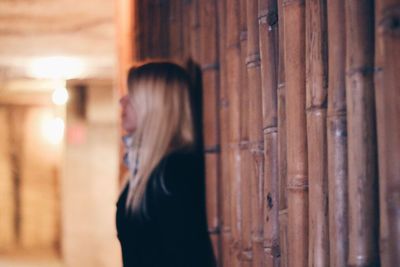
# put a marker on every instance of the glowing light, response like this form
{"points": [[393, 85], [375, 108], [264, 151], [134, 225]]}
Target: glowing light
{"points": [[56, 68], [53, 129], [60, 96]]}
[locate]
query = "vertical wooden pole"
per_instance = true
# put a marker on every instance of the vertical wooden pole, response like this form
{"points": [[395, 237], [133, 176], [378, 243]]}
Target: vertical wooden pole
{"points": [[282, 153], [378, 82], [294, 27], [388, 110], [268, 31], [255, 132], [316, 97], [186, 28], [337, 135], [210, 74], [195, 31], [126, 29], [175, 35], [226, 228], [146, 11], [244, 193], [363, 179], [234, 82], [152, 35], [233, 85], [161, 36]]}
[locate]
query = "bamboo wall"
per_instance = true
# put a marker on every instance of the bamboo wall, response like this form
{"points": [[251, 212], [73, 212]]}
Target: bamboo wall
{"points": [[300, 104]]}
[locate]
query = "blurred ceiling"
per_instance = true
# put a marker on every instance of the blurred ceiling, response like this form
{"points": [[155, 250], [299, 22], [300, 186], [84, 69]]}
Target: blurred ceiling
{"points": [[37, 29]]}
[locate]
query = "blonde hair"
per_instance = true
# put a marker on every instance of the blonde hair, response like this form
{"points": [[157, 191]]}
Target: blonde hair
{"points": [[160, 94]]}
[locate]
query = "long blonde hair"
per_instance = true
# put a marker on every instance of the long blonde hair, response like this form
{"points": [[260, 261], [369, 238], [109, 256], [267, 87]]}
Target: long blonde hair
{"points": [[160, 94]]}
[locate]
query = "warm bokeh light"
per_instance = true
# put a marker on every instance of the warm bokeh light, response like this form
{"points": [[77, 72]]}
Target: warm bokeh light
{"points": [[53, 129], [60, 96], [56, 67]]}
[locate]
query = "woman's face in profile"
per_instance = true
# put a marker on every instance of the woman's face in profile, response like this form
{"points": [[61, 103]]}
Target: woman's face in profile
{"points": [[128, 115]]}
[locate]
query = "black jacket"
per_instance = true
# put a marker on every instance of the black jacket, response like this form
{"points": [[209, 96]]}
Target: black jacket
{"points": [[170, 227]]}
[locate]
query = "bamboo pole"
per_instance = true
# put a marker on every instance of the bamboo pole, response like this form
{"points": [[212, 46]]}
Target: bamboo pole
{"points": [[186, 28], [233, 85], [282, 155], [144, 14], [294, 27], [151, 36], [246, 253], [271, 190], [244, 194], [316, 97], [281, 112], [212, 199], [209, 66], [337, 135], [153, 39], [226, 228], [283, 237], [175, 32], [363, 198], [255, 132], [195, 31], [268, 31], [378, 81], [162, 30], [154, 28], [138, 21], [387, 101], [126, 29]]}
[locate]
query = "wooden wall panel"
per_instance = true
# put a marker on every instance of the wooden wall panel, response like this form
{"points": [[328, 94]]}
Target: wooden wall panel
{"points": [[289, 123]]}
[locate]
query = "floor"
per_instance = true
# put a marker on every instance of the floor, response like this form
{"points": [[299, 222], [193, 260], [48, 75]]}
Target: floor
{"points": [[30, 260], [28, 263]]}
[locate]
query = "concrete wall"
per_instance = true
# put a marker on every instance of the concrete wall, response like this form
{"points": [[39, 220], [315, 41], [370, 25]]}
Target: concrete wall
{"points": [[90, 179], [39, 184], [7, 237], [29, 195]]}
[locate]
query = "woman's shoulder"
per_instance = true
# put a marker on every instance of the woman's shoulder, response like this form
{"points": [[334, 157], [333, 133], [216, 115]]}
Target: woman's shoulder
{"points": [[182, 169], [184, 158]]}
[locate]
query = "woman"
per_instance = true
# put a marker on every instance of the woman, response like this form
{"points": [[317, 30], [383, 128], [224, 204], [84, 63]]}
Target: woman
{"points": [[161, 213]]}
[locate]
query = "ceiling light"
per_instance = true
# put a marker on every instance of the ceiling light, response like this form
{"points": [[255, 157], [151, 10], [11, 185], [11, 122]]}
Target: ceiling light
{"points": [[57, 67]]}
